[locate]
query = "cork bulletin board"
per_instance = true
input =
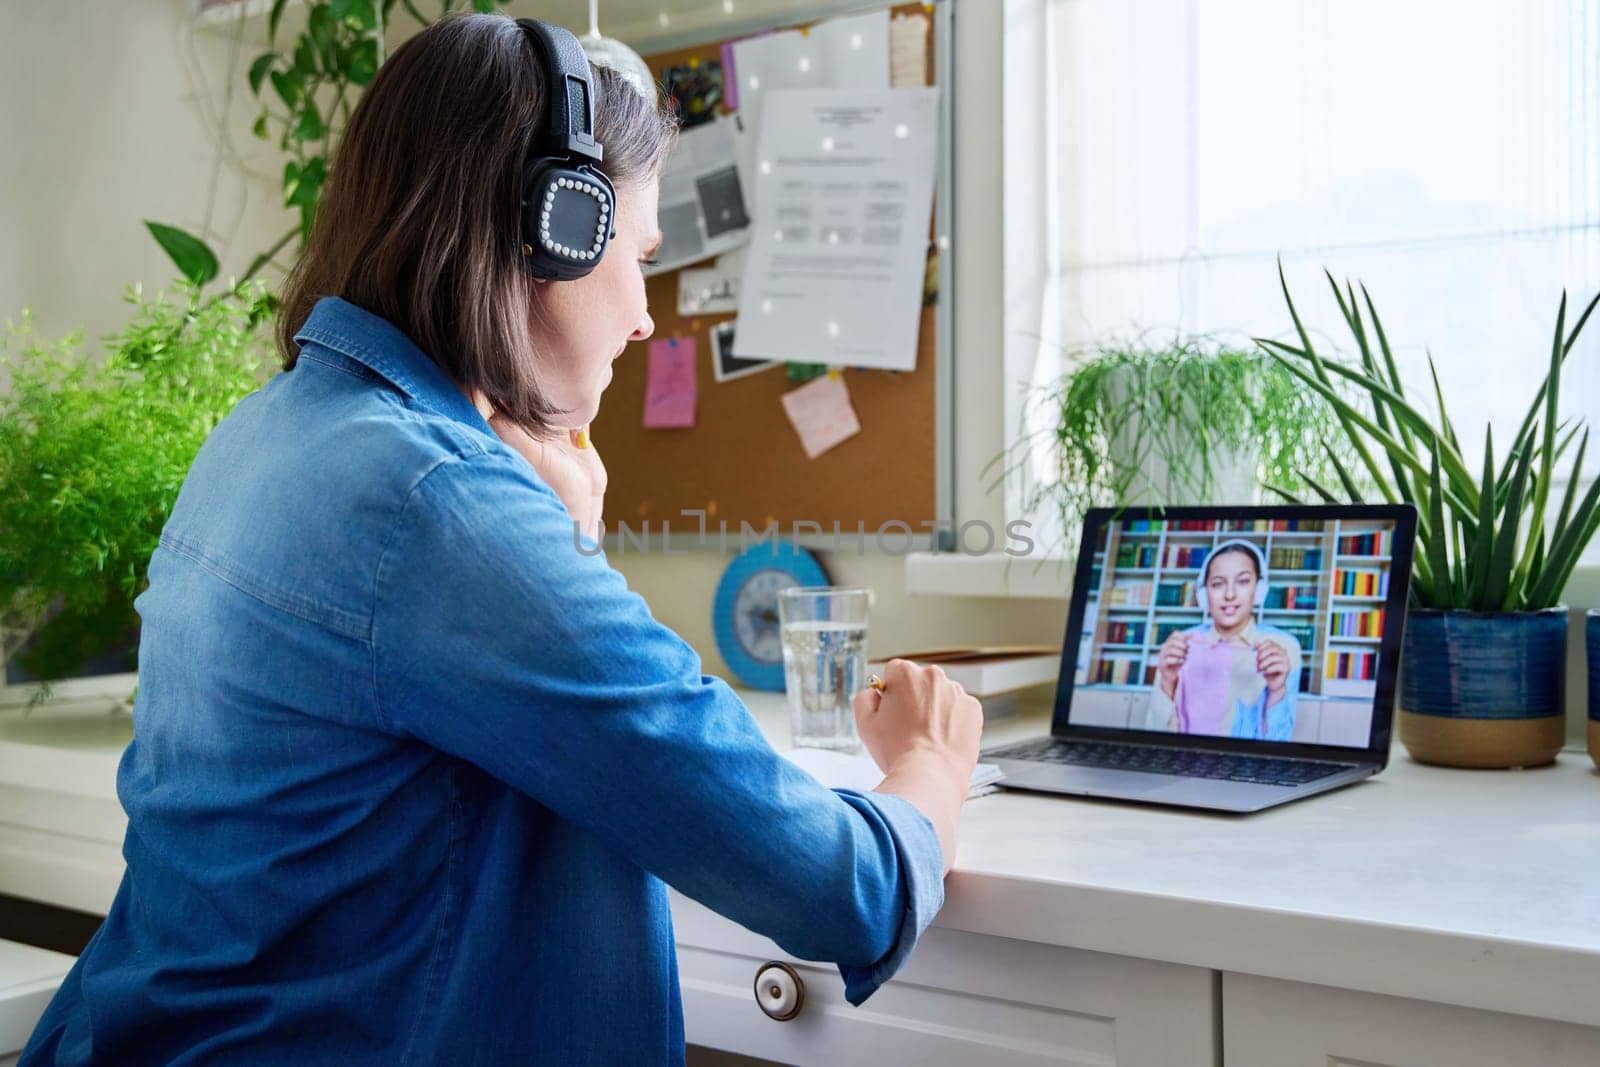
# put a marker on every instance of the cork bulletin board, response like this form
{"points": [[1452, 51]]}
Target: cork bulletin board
{"points": [[742, 461]]}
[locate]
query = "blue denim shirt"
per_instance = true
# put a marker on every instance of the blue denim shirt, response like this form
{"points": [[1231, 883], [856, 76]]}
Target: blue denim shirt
{"points": [[411, 771]]}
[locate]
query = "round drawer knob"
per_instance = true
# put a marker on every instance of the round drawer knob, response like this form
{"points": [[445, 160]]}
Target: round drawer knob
{"points": [[779, 991]]}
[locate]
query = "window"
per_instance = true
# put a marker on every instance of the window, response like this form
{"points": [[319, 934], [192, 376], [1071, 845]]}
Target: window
{"points": [[1446, 155]]}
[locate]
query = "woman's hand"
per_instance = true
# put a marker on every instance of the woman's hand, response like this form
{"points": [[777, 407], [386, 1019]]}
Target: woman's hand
{"points": [[1272, 662], [919, 709], [575, 472], [1174, 651], [922, 730]]}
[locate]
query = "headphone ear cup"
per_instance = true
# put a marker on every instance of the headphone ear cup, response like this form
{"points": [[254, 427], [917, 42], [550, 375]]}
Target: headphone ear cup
{"points": [[1262, 588], [567, 217], [1200, 599]]}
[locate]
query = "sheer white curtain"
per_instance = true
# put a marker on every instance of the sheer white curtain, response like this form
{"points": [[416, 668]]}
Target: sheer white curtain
{"points": [[1447, 154]]}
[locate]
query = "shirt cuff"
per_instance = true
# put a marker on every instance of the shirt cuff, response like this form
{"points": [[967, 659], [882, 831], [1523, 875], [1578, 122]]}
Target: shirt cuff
{"points": [[922, 869]]}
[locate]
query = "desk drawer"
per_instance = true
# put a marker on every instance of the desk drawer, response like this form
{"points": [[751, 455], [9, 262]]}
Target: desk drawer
{"points": [[1270, 1023], [961, 999]]}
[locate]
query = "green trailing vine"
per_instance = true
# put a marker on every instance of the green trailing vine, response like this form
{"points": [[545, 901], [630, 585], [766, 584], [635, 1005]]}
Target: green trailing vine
{"points": [[1184, 406], [307, 87]]}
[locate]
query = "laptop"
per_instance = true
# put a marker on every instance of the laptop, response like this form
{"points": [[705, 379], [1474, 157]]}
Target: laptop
{"points": [[1227, 658]]}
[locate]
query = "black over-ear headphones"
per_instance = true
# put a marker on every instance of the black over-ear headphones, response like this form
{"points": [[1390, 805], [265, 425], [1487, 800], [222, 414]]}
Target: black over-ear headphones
{"points": [[568, 205]]}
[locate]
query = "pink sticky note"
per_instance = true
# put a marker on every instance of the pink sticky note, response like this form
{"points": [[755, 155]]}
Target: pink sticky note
{"points": [[730, 78], [669, 393], [821, 413]]}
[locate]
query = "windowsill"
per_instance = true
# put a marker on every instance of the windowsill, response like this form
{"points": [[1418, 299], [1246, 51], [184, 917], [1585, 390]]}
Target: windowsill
{"points": [[958, 574]]}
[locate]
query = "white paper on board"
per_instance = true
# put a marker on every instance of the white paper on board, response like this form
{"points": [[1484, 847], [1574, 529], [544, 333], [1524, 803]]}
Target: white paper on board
{"points": [[841, 53], [702, 211], [839, 241]]}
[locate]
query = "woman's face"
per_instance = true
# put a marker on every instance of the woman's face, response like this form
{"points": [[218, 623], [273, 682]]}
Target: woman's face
{"points": [[1231, 590], [581, 326]]}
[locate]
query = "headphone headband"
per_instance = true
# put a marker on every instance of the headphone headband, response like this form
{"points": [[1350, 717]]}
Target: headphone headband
{"points": [[1254, 550], [570, 90]]}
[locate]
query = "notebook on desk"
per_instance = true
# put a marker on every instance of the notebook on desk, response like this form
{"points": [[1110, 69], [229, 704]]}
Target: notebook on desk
{"points": [[841, 770], [1225, 658]]}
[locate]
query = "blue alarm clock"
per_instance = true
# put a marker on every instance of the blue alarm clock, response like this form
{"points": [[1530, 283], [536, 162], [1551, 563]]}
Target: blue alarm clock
{"points": [[745, 612]]}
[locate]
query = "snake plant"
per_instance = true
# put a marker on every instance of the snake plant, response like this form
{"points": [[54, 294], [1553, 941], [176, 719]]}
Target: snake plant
{"points": [[1486, 540]]}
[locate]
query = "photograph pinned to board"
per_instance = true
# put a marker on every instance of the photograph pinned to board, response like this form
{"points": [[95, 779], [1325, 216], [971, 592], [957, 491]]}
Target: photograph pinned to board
{"points": [[841, 53], [670, 387], [712, 290], [839, 248], [725, 366], [694, 90], [702, 207], [821, 413]]}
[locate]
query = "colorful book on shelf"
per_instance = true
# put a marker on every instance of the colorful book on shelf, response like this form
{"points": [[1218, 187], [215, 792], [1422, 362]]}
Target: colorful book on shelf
{"points": [[1292, 598], [1356, 623], [1137, 556], [1306, 635], [990, 670], [1348, 582], [1295, 559], [1372, 543], [1185, 556], [1174, 594], [1124, 633], [1124, 594], [1353, 666], [1114, 671]]}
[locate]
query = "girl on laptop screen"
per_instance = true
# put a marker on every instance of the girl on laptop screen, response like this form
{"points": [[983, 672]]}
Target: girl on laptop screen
{"points": [[1231, 676]]}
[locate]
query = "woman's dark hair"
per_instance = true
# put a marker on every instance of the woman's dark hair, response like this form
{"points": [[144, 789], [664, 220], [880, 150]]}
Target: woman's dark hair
{"points": [[419, 221]]}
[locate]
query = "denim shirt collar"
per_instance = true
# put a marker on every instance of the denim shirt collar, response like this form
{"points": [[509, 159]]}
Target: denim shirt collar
{"points": [[378, 345]]}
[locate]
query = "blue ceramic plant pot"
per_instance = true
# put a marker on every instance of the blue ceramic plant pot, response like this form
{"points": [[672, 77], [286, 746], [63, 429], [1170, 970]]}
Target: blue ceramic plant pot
{"points": [[1483, 689], [1591, 646]]}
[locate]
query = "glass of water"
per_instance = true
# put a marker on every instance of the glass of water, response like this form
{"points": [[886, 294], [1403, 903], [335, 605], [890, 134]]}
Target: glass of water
{"points": [[824, 662]]}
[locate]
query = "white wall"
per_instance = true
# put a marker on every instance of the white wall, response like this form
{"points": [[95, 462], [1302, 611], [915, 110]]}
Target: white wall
{"points": [[103, 126]]}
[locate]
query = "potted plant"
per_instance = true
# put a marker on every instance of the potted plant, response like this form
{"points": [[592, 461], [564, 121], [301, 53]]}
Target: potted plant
{"points": [[92, 454], [1182, 422], [1483, 664]]}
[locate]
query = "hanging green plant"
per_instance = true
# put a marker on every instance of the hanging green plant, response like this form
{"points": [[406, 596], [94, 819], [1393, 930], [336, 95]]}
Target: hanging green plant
{"points": [[314, 80], [1164, 423]]}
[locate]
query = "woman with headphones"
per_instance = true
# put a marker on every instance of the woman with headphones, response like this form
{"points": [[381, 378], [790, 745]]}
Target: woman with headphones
{"points": [[412, 767], [1231, 676]]}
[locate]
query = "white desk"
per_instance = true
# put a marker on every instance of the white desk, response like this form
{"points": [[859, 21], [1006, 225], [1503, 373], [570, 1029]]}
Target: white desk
{"points": [[1079, 931]]}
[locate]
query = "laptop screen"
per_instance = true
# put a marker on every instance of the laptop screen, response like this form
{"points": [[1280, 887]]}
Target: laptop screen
{"points": [[1251, 624]]}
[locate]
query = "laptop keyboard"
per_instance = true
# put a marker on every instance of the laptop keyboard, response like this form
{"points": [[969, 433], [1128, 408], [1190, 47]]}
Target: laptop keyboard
{"points": [[1186, 763]]}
